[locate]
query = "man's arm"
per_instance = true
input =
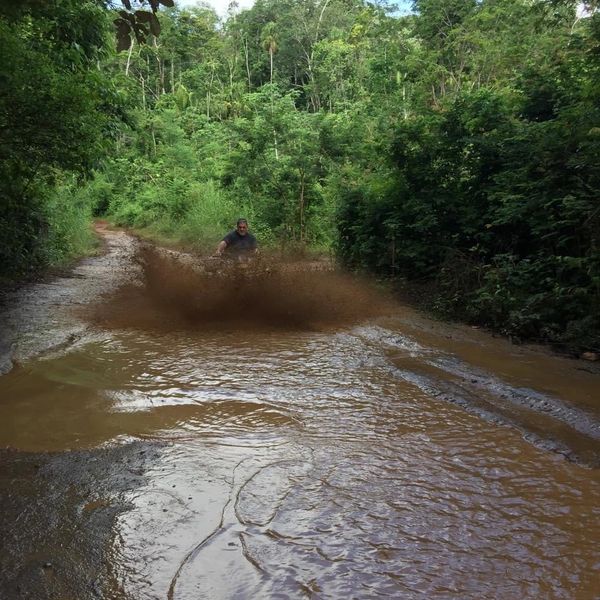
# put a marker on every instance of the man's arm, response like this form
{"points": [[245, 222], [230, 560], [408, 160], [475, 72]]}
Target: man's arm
{"points": [[221, 247]]}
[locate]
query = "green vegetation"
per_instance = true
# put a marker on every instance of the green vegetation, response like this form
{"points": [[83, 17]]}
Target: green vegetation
{"points": [[55, 108], [453, 149]]}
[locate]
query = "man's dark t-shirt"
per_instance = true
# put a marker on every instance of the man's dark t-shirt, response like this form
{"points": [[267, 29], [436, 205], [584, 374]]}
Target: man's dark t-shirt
{"points": [[240, 244]]}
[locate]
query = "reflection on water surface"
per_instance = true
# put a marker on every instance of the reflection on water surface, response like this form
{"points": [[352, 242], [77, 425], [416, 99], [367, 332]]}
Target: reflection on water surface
{"points": [[302, 463]]}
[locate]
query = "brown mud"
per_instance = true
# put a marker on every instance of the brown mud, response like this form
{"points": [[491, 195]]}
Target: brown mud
{"points": [[58, 512]]}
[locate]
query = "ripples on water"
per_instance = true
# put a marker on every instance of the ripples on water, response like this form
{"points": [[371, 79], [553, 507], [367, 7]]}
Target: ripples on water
{"points": [[308, 463], [301, 464]]}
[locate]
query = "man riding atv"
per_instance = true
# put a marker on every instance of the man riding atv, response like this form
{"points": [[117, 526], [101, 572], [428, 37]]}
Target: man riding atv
{"points": [[238, 244]]}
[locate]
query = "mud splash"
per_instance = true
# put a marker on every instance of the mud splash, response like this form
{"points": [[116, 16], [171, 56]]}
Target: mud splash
{"points": [[172, 294]]}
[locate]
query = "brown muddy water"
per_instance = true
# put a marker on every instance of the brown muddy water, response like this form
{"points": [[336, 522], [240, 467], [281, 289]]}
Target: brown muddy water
{"points": [[169, 432]]}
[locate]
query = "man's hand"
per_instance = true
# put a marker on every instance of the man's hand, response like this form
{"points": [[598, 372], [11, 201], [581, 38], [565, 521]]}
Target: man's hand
{"points": [[220, 248]]}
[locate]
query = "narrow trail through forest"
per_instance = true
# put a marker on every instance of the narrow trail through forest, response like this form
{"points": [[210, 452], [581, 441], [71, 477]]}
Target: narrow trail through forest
{"points": [[169, 431]]}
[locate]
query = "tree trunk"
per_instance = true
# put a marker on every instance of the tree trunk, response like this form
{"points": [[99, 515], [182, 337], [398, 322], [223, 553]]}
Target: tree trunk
{"points": [[172, 73], [129, 57], [143, 93], [246, 54], [232, 65], [160, 87], [302, 224], [212, 76]]}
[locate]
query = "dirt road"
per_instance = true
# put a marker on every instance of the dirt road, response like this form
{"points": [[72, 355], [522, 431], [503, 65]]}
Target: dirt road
{"points": [[167, 433]]}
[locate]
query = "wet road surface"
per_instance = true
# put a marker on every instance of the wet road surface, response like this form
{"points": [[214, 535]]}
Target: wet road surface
{"points": [[158, 446]]}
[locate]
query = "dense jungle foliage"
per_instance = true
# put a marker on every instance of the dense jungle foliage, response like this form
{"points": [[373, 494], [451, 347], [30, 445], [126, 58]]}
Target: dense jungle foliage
{"points": [[454, 149]]}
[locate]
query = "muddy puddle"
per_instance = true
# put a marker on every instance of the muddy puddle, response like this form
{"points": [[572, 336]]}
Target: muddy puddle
{"points": [[172, 433]]}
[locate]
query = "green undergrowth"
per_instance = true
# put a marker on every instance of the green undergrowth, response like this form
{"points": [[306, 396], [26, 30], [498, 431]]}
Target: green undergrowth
{"points": [[550, 317], [61, 215]]}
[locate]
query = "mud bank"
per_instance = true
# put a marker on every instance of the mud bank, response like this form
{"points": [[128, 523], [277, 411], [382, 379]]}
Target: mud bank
{"points": [[37, 319], [58, 519]]}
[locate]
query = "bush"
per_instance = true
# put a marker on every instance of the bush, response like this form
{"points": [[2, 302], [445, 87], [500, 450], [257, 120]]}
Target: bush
{"points": [[68, 215]]}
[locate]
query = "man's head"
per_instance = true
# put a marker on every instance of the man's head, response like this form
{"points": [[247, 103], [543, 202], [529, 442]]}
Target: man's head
{"points": [[242, 226]]}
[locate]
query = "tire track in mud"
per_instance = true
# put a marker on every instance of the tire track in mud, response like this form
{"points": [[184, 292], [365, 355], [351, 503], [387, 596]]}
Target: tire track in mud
{"points": [[580, 420], [539, 429], [544, 420], [193, 553], [233, 509]]}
